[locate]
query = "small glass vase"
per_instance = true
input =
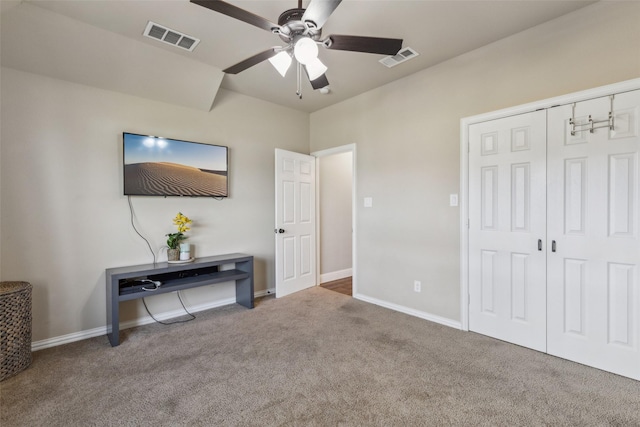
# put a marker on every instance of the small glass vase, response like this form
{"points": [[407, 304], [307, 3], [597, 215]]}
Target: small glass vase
{"points": [[173, 254], [185, 251]]}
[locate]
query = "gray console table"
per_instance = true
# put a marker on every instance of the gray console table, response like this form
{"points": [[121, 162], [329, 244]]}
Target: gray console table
{"points": [[127, 283]]}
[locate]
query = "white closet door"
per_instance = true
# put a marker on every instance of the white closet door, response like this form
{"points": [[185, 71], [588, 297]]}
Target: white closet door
{"points": [[593, 278], [507, 295]]}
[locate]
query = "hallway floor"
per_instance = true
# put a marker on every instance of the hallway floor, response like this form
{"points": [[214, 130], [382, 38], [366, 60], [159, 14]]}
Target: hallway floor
{"points": [[343, 286]]}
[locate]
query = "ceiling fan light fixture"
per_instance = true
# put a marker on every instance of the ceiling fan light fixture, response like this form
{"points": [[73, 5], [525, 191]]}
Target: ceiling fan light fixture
{"points": [[315, 69], [305, 50], [301, 31], [281, 62]]}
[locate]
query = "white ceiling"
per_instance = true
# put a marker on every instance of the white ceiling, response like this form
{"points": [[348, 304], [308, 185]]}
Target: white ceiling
{"points": [[437, 30]]}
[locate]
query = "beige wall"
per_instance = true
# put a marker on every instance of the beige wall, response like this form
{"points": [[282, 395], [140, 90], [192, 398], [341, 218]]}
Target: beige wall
{"points": [[64, 218], [336, 179], [408, 134]]}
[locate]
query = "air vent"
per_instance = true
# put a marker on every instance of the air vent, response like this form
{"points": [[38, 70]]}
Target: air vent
{"points": [[404, 55], [169, 36]]}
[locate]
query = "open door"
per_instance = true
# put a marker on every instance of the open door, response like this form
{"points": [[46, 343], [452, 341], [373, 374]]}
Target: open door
{"points": [[295, 222]]}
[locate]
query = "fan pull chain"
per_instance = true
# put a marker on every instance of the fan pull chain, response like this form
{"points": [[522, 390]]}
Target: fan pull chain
{"points": [[299, 91]]}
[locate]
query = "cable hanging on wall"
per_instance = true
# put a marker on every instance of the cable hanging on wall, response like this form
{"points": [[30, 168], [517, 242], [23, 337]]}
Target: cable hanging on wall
{"points": [[137, 232], [590, 124]]}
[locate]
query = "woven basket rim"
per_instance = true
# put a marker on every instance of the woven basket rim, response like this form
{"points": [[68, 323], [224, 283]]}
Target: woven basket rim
{"points": [[9, 287]]}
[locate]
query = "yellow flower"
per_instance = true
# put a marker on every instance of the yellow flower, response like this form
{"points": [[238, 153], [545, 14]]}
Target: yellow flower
{"points": [[182, 222]]}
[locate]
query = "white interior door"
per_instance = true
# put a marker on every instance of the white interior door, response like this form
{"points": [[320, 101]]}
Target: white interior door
{"points": [[593, 277], [507, 207], [295, 222]]}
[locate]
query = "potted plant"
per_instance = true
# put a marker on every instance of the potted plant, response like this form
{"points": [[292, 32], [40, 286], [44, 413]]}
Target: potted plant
{"points": [[173, 239]]}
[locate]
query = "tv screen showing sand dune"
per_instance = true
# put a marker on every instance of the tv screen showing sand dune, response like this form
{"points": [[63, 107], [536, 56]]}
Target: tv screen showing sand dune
{"points": [[156, 166]]}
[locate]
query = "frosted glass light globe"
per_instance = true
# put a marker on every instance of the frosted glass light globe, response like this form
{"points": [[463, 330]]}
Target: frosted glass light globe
{"points": [[281, 62], [305, 50], [315, 69]]}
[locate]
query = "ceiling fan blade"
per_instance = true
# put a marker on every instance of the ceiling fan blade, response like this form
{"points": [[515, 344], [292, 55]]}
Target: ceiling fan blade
{"points": [[365, 44], [319, 11], [250, 62], [237, 13]]}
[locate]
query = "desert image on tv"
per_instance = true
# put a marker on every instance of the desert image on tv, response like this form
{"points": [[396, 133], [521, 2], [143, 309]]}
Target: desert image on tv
{"points": [[162, 167], [173, 179]]}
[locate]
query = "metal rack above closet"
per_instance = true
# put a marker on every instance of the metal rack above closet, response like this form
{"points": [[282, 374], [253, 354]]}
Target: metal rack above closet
{"points": [[590, 125]]}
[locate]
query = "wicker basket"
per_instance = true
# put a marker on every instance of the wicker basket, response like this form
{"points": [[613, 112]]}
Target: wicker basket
{"points": [[15, 328]]}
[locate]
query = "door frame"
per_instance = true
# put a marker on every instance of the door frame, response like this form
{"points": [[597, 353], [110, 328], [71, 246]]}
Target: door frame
{"points": [[465, 122], [349, 148]]}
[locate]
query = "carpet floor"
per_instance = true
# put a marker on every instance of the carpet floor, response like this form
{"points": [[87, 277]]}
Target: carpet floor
{"points": [[315, 358]]}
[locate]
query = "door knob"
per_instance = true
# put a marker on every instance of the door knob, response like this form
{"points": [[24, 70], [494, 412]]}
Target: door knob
{"points": [[279, 230]]}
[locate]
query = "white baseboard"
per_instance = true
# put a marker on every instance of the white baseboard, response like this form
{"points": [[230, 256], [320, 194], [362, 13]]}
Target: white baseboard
{"points": [[335, 275], [69, 338], [410, 311], [270, 291], [96, 332]]}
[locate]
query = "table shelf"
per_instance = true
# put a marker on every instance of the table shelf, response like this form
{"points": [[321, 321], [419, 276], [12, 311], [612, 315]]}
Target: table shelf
{"points": [[125, 283]]}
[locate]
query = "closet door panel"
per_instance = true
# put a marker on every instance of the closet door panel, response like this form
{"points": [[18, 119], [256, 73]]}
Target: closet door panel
{"points": [[593, 283], [507, 218]]}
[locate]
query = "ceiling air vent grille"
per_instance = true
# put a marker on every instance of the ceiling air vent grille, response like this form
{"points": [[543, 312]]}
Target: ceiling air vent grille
{"points": [[404, 55], [169, 36]]}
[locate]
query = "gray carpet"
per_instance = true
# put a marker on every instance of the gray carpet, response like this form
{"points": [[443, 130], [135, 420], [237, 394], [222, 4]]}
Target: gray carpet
{"points": [[314, 358]]}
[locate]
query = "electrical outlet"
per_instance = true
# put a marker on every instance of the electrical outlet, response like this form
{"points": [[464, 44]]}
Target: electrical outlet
{"points": [[417, 286]]}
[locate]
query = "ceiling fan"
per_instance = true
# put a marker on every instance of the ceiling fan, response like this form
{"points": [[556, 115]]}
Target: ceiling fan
{"points": [[301, 31]]}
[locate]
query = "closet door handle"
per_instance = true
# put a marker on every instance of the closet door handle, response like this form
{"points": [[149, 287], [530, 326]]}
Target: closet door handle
{"points": [[553, 246], [539, 244]]}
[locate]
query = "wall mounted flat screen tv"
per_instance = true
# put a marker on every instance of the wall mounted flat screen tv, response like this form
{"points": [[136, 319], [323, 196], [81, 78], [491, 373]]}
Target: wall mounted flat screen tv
{"points": [[155, 166]]}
